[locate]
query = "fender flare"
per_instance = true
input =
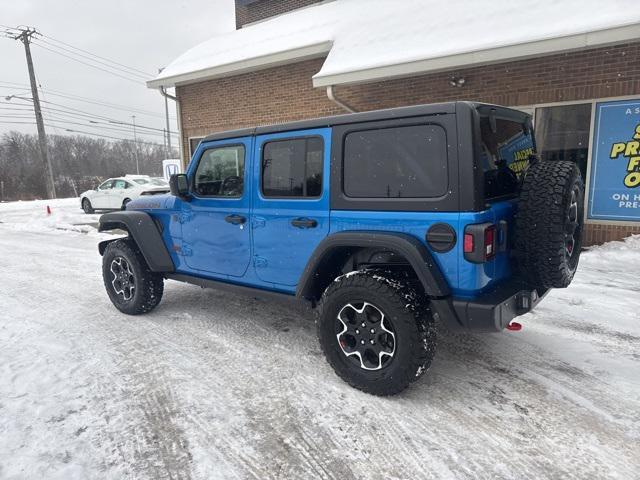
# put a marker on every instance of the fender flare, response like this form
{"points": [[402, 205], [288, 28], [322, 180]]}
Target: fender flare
{"points": [[145, 234], [410, 247]]}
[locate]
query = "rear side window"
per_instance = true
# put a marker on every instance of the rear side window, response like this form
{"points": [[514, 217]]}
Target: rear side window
{"points": [[293, 168], [398, 162], [505, 154]]}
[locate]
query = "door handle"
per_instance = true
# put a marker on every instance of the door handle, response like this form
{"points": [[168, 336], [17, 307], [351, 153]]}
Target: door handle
{"points": [[304, 223], [235, 219]]}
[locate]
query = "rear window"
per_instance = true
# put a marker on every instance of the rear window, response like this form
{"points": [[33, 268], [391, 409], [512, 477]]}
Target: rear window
{"points": [[505, 154], [399, 162]]}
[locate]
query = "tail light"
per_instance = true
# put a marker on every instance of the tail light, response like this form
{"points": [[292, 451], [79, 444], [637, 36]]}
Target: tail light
{"points": [[490, 242], [468, 243], [480, 242]]}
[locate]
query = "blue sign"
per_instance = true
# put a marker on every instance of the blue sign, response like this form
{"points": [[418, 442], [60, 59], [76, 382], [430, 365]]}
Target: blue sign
{"points": [[614, 187]]}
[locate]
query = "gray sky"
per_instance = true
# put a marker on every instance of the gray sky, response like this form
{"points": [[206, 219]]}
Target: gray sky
{"points": [[143, 34]]}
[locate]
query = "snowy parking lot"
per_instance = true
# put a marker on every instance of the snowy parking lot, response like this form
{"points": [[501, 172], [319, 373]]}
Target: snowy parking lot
{"points": [[213, 385]]}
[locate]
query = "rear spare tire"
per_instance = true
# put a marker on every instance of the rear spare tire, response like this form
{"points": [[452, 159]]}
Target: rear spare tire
{"points": [[549, 223]]}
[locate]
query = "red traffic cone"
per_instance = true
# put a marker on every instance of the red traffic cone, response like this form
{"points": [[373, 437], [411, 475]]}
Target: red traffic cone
{"points": [[48, 210]]}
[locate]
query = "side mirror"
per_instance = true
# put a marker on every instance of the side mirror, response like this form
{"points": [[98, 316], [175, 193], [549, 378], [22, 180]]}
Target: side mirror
{"points": [[179, 185]]}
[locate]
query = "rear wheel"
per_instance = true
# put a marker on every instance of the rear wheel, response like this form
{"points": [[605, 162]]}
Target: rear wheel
{"points": [[549, 223], [375, 331], [132, 287], [86, 206]]}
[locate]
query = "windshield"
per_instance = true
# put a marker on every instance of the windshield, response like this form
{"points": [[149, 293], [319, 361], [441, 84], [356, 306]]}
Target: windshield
{"points": [[161, 182], [506, 147]]}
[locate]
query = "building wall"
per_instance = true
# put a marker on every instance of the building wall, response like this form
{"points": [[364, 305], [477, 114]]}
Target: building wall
{"points": [[261, 9], [286, 93]]}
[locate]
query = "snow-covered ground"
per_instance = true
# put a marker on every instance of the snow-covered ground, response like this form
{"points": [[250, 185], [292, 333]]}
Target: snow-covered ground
{"points": [[212, 385]]}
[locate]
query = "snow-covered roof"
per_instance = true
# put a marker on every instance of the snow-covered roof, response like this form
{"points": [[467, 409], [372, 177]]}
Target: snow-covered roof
{"points": [[365, 40]]}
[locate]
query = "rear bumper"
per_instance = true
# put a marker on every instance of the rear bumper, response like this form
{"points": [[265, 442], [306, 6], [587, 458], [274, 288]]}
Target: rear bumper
{"points": [[492, 311]]}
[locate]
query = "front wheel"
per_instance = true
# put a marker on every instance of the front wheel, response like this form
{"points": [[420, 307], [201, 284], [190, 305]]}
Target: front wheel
{"points": [[86, 206], [375, 331], [132, 287]]}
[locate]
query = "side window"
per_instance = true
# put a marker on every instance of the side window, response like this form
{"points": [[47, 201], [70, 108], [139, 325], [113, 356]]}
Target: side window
{"points": [[398, 162], [106, 185], [119, 184], [220, 172], [293, 168]]}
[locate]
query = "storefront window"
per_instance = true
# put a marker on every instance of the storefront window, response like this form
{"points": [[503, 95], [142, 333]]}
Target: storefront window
{"points": [[193, 144], [562, 133]]}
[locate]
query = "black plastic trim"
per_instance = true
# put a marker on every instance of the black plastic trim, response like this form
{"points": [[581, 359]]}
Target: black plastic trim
{"points": [[143, 230], [411, 248], [235, 288], [492, 311]]}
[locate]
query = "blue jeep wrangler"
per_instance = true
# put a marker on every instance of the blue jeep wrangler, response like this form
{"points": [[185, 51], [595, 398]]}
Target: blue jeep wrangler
{"points": [[384, 222]]}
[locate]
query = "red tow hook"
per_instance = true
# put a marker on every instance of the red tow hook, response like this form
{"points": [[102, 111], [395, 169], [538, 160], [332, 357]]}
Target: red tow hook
{"points": [[514, 326]]}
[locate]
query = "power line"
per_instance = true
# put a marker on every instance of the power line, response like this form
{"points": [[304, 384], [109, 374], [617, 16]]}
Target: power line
{"points": [[85, 133], [139, 82], [110, 137], [84, 113], [58, 93], [125, 71], [146, 74], [73, 120]]}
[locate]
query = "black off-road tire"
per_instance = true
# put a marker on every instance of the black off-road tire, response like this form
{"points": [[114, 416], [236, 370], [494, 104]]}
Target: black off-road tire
{"points": [[86, 206], [148, 285], [408, 316], [549, 223]]}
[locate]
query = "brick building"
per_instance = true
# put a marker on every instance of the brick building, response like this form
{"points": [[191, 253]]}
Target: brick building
{"points": [[295, 59]]}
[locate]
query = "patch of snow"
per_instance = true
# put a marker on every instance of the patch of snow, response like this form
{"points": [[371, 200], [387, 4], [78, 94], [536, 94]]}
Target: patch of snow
{"points": [[392, 33], [238, 387], [66, 216]]}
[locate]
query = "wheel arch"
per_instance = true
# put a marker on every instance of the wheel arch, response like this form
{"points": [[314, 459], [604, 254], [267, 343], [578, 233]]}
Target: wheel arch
{"points": [[145, 234], [334, 251]]}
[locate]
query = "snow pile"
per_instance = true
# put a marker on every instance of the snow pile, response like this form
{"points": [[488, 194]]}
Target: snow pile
{"points": [[363, 34], [66, 215]]}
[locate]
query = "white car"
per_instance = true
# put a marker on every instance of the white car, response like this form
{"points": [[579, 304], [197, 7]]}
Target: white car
{"points": [[115, 193]]}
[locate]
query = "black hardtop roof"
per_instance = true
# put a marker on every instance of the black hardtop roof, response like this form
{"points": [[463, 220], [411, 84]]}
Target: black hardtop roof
{"points": [[386, 114]]}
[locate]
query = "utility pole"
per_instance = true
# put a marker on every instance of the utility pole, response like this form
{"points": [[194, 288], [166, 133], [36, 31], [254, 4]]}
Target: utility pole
{"points": [[164, 142], [135, 141], [25, 37], [166, 115]]}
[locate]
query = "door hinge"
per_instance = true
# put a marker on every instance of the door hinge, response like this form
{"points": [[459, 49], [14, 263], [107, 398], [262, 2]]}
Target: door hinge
{"points": [[186, 250], [258, 222], [259, 262]]}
